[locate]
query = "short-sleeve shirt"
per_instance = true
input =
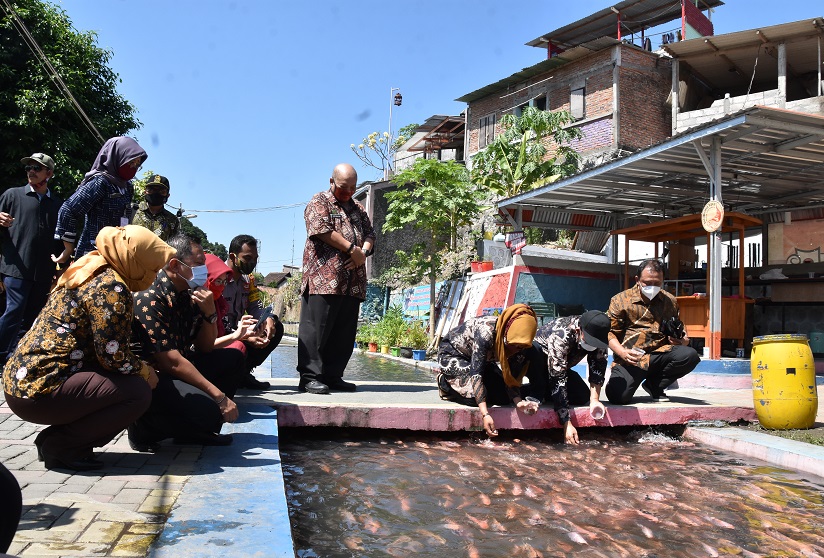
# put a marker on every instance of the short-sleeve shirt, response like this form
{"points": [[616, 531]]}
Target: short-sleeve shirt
{"points": [[87, 328], [637, 323], [165, 319], [242, 296], [164, 224], [323, 265]]}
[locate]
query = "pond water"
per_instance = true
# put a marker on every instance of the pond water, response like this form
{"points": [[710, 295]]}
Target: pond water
{"points": [[283, 360], [647, 495]]}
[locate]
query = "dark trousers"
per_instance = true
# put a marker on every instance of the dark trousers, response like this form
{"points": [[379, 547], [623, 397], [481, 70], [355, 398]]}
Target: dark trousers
{"points": [[664, 369], [326, 336], [88, 410], [24, 300], [11, 506], [255, 356], [180, 410]]}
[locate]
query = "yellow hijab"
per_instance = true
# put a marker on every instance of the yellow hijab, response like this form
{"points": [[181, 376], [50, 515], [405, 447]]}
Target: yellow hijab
{"points": [[517, 325], [135, 254]]}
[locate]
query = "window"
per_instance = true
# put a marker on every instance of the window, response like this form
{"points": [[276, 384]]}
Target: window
{"points": [[486, 131], [538, 102], [576, 103]]}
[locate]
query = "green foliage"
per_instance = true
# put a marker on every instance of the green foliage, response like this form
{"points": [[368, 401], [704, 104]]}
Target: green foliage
{"points": [[516, 161], [391, 326], [194, 232], [435, 197], [404, 134], [34, 116], [415, 336]]}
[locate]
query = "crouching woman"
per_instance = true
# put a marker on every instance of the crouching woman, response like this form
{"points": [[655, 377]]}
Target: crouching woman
{"points": [[73, 370]]}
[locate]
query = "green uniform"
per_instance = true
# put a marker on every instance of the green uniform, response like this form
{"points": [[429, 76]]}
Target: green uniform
{"points": [[165, 224]]}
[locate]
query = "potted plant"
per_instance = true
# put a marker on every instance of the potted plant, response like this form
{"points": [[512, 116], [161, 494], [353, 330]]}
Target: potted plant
{"points": [[369, 334], [418, 339]]}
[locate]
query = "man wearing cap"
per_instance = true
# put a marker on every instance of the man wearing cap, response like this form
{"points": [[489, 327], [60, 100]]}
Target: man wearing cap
{"points": [[28, 215], [566, 341], [151, 213]]}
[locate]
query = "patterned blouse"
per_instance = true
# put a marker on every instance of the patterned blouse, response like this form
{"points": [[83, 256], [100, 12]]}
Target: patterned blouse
{"points": [[165, 319], [80, 329], [466, 351], [323, 265], [559, 341], [637, 323], [100, 204]]}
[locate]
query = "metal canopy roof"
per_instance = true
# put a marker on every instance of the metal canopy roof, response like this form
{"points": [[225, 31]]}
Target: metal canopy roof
{"points": [[771, 160], [540, 68], [635, 15], [723, 61], [438, 132]]}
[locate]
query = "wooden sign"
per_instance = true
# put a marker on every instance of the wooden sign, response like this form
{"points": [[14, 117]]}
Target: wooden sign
{"points": [[712, 216]]}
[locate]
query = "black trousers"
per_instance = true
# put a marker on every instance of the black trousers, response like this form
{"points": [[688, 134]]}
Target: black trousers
{"points": [[326, 336], [11, 506], [664, 369], [255, 357], [180, 410]]}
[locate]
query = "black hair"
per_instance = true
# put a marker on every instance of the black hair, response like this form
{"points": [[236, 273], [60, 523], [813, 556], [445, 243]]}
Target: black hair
{"points": [[237, 243], [653, 264], [183, 245]]}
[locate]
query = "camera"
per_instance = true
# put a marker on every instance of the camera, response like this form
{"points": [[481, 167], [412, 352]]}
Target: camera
{"points": [[673, 327]]}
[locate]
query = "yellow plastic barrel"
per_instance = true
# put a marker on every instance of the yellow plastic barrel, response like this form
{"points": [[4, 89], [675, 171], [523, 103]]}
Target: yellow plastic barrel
{"points": [[783, 381]]}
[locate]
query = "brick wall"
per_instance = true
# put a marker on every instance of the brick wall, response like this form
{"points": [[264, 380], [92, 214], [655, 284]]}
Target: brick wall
{"points": [[644, 84]]}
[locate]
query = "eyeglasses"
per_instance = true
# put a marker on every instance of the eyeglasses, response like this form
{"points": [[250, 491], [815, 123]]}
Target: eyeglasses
{"points": [[222, 282], [35, 168]]}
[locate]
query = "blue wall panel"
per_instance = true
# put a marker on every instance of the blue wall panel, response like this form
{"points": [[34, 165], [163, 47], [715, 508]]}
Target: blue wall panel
{"points": [[593, 293]]}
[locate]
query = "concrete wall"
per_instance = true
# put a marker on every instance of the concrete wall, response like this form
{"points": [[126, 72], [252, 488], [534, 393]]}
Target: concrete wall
{"points": [[722, 107]]}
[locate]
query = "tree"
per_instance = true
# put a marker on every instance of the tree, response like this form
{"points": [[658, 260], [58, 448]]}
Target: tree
{"points": [[435, 197], [195, 233], [34, 115], [517, 160], [377, 150]]}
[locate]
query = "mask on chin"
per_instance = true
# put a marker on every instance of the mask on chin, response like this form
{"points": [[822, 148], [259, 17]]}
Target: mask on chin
{"points": [[650, 291]]}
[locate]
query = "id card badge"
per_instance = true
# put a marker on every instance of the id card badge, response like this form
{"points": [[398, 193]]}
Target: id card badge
{"points": [[124, 221]]}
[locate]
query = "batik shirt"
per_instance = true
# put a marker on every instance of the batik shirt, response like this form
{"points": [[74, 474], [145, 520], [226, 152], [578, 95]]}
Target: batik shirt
{"points": [[323, 265], [558, 340], [100, 204], [466, 351], [164, 224], [79, 330], [165, 319], [637, 323]]}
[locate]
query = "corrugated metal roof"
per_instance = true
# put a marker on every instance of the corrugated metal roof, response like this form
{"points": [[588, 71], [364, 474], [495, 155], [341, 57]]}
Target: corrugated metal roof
{"points": [[772, 160], [540, 68], [635, 15], [727, 61]]}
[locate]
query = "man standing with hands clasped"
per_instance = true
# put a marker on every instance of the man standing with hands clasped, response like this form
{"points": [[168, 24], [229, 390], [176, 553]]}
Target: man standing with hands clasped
{"points": [[645, 349], [28, 215], [339, 238]]}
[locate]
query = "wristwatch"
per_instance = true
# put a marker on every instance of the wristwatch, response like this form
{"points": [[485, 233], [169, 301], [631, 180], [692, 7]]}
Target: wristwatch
{"points": [[368, 252], [211, 318]]}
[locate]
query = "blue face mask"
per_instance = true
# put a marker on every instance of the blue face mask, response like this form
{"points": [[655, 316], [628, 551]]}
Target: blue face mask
{"points": [[199, 275]]}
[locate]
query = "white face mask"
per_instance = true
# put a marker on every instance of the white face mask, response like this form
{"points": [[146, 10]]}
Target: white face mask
{"points": [[587, 348], [650, 291]]}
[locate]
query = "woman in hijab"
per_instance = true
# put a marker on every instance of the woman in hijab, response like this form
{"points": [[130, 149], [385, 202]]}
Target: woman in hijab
{"points": [[218, 276], [484, 361], [103, 198], [74, 370]]}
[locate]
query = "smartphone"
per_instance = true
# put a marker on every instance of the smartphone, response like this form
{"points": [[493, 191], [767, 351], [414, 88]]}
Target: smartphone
{"points": [[265, 315]]}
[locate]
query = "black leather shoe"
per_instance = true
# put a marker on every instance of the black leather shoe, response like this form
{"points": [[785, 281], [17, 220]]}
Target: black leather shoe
{"points": [[250, 382], [144, 447], [316, 387], [87, 464], [341, 385], [207, 439]]}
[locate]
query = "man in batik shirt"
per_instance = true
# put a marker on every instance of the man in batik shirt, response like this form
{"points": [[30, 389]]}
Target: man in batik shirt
{"points": [[339, 238]]}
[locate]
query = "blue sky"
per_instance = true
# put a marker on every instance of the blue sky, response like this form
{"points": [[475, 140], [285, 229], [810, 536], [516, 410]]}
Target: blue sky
{"points": [[250, 103]]}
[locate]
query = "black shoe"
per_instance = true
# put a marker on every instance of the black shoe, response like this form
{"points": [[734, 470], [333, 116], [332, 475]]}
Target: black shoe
{"points": [[250, 382], [207, 439], [314, 386], [144, 447], [341, 385], [657, 396], [86, 464]]}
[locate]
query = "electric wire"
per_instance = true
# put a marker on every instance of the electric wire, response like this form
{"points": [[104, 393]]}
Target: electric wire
{"points": [[44, 61]]}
